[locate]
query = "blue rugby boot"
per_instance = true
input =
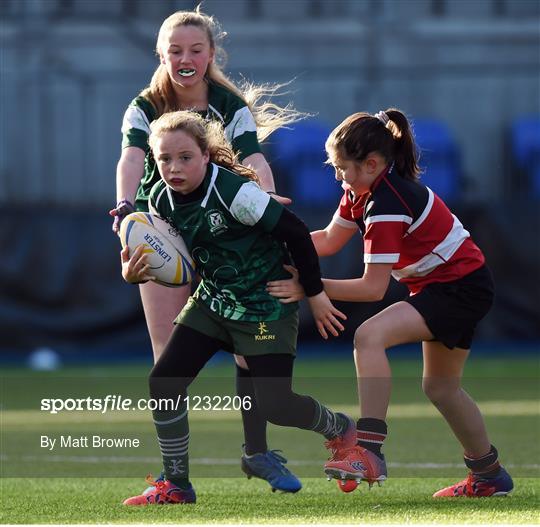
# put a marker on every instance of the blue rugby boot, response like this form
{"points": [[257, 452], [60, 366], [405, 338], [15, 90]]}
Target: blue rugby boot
{"points": [[270, 466]]}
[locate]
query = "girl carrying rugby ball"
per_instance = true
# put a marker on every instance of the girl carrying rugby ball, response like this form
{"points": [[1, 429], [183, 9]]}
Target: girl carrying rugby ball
{"points": [[236, 234]]}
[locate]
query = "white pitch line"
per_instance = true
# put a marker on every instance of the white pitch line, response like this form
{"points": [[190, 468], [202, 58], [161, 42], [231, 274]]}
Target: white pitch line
{"points": [[221, 461]]}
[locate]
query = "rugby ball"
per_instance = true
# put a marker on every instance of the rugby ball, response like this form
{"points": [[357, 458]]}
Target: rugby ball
{"points": [[168, 257]]}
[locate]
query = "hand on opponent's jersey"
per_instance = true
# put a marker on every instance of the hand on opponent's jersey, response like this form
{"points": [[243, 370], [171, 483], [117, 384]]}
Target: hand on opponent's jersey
{"points": [[135, 269], [287, 291]]}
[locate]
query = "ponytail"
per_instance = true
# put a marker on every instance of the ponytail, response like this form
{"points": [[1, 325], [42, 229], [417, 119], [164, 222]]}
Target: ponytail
{"points": [[221, 152], [386, 132], [406, 151]]}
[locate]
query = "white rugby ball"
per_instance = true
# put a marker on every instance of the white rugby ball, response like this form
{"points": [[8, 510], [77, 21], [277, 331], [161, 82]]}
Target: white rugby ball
{"points": [[168, 257]]}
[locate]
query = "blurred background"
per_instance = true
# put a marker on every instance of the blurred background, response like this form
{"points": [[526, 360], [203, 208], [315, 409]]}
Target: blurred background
{"points": [[467, 73]]}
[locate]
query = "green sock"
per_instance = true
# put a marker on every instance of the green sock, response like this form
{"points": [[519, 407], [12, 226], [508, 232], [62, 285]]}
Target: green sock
{"points": [[172, 429], [329, 424]]}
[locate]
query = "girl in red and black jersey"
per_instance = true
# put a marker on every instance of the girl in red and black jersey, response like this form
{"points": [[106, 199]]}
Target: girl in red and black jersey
{"points": [[411, 235]]}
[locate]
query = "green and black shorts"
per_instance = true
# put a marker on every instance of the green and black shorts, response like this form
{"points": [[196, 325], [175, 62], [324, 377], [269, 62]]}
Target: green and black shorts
{"points": [[240, 337]]}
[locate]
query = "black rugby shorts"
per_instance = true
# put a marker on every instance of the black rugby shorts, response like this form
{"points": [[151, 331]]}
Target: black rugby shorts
{"points": [[453, 309]]}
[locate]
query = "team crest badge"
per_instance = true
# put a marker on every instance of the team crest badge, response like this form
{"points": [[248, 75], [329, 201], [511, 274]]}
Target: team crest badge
{"points": [[216, 222]]}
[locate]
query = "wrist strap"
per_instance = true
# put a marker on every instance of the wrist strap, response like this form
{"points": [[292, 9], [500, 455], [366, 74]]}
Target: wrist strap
{"points": [[125, 202]]}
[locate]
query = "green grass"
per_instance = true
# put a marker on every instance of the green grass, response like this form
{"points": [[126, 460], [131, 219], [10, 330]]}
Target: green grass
{"points": [[89, 485], [238, 501]]}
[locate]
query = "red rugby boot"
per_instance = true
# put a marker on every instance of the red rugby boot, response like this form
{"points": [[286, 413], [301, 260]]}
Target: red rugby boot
{"points": [[475, 486], [356, 464], [163, 492]]}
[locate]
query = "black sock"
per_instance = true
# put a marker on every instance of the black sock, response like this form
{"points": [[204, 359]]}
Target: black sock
{"points": [[371, 433], [486, 466], [254, 423]]}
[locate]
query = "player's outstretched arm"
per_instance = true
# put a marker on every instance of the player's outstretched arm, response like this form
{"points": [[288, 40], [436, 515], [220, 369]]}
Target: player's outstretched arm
{"points": [[330, 240], [370, 288]]}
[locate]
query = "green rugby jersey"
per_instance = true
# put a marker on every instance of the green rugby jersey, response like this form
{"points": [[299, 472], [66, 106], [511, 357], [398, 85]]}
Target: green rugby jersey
{"points": [[223, 106], [226, 226]]}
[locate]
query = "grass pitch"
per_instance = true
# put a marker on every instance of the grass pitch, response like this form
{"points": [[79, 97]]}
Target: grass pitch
{"points": [[239, 501], [74, 485]]}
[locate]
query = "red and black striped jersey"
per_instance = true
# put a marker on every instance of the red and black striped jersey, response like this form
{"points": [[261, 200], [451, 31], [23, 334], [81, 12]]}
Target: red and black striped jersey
{"points": [[406, 224]]}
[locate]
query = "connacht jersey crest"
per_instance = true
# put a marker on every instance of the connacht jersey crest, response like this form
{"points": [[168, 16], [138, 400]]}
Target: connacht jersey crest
{"points": [[216, 222]]}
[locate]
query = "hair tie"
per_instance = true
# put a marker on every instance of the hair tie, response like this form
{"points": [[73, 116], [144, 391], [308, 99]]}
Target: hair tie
{"points": [[382, 117]]}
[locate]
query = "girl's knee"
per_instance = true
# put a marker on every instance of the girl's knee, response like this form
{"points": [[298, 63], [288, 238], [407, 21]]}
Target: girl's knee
{"points": [[366, 336], [157, 382], [440, 389], [162, 385], [361, 336], [157, 372]]}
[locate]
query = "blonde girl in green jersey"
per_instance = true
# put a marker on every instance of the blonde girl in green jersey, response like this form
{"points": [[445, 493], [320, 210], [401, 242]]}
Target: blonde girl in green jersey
{"points": [[189, 76]]}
